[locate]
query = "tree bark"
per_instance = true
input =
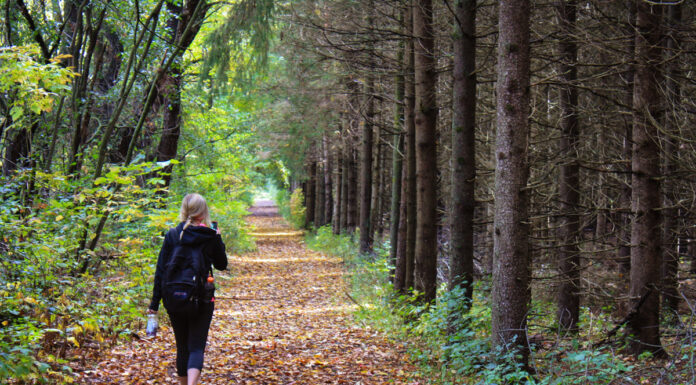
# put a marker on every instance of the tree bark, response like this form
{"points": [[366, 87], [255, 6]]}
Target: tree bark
{"points": [[410, 144], [345, 176], [463, 148], [171, 122], [624, 235], [569, 182], [366, 172], [397, 173], [377, 185], [646, 259], [352, 196], [328, 183], [670, 231], [511, 266], [319, 194], [310, 191], [426, 152]]}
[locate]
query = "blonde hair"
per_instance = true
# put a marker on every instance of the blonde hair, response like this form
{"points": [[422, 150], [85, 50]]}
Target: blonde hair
{"points": [[193, 207]]}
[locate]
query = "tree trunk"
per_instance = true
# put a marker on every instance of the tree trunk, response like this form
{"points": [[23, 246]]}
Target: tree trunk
{"points": [[184, 24], [310, 195], [18, 143], [397, 173], [410, 143], [463, 148], [339, 185], [511, 266], [352, 209], [645, 231], [345, 176], [171, 122], [624, 235], [569, 182], [670, 253], [426, 152], [380, 170], [328, 183], [319, 195], [366, 172]]}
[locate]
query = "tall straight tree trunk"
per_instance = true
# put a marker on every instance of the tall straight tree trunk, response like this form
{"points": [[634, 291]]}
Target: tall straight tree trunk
{"points": [[400, 263], [319, 195], [366, 186], [511, 266], [426, 151], [569, 183], [670, 253], [410, 144], [397, 169], [376, 204], [345, 176], [624, 235], [404, 255], [339, 213], [310, 193], [352, 196], [328, 183], [463, 147], [646, 259]]}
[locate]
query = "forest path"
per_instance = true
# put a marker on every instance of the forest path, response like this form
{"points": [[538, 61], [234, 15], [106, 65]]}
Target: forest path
{"points": [[281, 317]]}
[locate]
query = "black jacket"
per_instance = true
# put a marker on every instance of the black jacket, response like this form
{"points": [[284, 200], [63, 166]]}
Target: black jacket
{"points": [[213, 249]]}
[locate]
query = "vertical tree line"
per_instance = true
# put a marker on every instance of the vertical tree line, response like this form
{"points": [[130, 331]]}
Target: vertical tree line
{"points": [[546, 158]]}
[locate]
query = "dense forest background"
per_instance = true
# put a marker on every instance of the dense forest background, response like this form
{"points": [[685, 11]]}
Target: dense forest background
{"points": [[519, 174]]}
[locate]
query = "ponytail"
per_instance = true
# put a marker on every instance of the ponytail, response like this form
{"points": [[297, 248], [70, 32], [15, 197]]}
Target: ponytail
{"points": [[186, 224]]}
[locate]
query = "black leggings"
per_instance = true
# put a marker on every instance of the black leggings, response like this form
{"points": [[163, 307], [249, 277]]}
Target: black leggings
{"points": [[191, 333]]}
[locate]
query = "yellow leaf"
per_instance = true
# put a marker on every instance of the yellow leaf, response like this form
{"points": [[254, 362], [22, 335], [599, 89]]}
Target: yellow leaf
{"points": [[73, 341]]}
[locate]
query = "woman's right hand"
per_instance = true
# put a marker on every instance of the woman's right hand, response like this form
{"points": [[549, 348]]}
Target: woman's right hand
{"points": [[150, 311]]}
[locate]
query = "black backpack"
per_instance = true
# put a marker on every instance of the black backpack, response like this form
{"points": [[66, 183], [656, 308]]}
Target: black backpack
{"points": [[185, 286]]}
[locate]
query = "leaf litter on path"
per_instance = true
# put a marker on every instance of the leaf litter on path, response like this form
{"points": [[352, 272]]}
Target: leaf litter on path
{"points": [[281, 317]]}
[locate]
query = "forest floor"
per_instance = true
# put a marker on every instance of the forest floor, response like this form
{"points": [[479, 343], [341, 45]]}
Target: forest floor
{"points": [[282, 317]]}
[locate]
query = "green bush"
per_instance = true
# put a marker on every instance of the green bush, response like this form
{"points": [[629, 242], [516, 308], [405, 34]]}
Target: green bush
{"points": [[340, 245], [451, 342], [291, 207], [47, 305]]}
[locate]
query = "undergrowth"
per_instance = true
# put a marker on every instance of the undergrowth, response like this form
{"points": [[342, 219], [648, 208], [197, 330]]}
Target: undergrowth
{"points": [[451, 344], [57, 301], [291, 207]]}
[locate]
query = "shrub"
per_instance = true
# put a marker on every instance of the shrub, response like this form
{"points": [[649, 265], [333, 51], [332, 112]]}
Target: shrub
{"points": [[291, 207]]}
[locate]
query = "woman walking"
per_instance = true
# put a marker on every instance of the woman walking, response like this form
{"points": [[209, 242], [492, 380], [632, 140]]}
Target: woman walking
{"points": [[194, 235]]}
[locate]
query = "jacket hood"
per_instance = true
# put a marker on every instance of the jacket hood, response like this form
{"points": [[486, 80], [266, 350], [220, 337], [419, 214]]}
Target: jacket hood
{"points": [[195, 235]]}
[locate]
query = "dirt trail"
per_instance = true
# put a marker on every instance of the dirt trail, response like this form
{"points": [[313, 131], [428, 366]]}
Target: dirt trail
{"points": [[281, 317]]}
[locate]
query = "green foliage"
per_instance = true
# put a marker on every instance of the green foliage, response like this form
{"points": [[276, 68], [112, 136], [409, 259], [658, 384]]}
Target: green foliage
{"points": [[239, 43], [291, 207], [32, 84], [450, 341], [47, 307], [340, 245]]}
